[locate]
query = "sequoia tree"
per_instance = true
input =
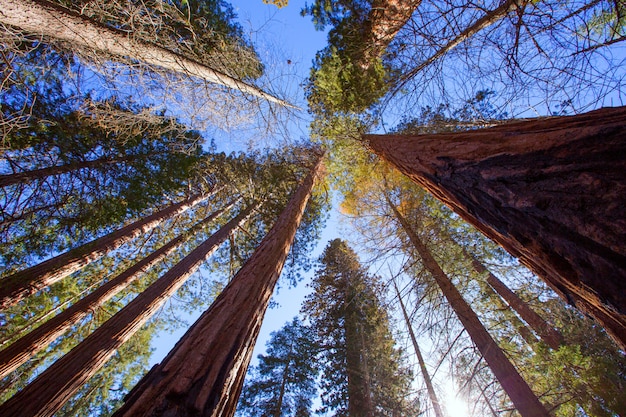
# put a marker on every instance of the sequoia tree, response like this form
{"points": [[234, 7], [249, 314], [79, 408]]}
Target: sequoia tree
{"points": [[550, 191], [21, 284], [53, 387], [205, 371]]}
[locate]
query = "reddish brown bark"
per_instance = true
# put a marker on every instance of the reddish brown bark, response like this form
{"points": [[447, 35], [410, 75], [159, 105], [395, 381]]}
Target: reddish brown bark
{"points": [[517, 389], [28, 345], [51, 389], [551, 191], [204, 373], [383, 23], [55, 21], [420, 359], [19, 285]]}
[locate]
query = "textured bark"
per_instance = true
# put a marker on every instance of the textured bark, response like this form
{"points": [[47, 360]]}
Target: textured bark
{"points": [[203, 374], [28, 345], [383, 23], [523, 398], [52, 20], [28, 176], [19, 285], [52, 388], [552, 192], [420, 359]]}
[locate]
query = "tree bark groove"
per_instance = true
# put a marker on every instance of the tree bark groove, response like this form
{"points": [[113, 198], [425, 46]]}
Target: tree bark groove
{"points": [[204, 373], [551, 191]]}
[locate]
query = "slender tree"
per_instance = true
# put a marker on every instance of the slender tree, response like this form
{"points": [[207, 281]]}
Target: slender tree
{"points": [[205, 371], [15, 287], [53, 387], [50, 19], [549, 191], [26, 346], [519, 392], [420, 359]]}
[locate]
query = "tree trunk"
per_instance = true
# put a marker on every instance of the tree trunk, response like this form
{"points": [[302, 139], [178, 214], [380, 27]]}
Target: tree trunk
{"points": [[489, 19], [552, 192], [28, 176], [20, 285], [28, 345], [420, 359], [517, 389], [52, 388], [544, 330], [359, 395], [55, 21], [204, 373], [383, 23]]}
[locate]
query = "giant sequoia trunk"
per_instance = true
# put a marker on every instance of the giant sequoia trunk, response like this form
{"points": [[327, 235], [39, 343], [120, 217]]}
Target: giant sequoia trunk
{"points": [[52, 388], [517, 389], [420, 359], [28, 345], [550, 191], [383, 23], [204, 373], [19, 285], [50, 19]]}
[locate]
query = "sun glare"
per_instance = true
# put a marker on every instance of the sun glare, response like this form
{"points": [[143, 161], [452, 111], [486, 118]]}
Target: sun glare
{"points": [[455, 405]]}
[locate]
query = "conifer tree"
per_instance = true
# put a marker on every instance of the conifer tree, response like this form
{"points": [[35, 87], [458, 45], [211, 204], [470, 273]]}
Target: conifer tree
{"points": [[362, 373], [283, 383]]}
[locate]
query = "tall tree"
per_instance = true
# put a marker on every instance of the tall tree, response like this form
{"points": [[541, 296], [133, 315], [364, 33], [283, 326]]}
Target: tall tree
{"points": [[361, 370], [549, 191], [283, 383], [420, 359], [52, 388], [55, 21], [15, 287], [26, 346], [205, 371], [519, 392]]}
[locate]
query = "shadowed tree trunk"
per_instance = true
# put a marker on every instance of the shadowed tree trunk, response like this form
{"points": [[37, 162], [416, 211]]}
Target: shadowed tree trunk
{"points": [[28, 345], [420, 359], [523, 398], [52, 20], [51, 389], [28, 176], [204, 373], [551, 191], [19, 285]]}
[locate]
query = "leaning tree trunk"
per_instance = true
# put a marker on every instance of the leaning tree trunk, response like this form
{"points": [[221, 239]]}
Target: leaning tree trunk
{"points": [[204, 373], [20, 351], [28, 176], [551, 191], [384, 21], [420, 359], [544, 330], [45, 395], [517, 389], [19, 285], [55, 21]]}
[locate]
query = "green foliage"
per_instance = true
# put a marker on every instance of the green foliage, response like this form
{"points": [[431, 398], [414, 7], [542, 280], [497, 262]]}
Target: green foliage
{"points": [[349, 321], [283, 383]]}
